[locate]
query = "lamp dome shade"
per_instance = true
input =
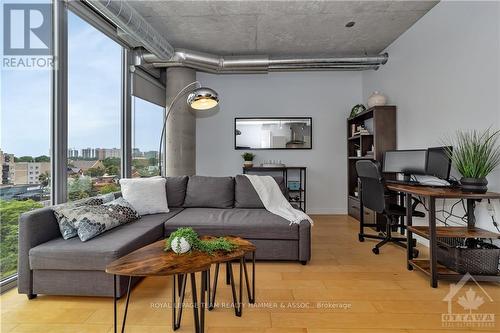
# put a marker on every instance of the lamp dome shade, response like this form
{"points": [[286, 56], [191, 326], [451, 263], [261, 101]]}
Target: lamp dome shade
{"points": [[203, 99]]}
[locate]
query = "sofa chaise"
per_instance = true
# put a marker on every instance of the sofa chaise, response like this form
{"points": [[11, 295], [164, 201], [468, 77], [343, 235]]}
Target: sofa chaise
{"points": [[218, 206]]}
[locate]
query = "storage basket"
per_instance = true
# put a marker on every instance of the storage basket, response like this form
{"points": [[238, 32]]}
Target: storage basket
{"points": [[476, 261]]}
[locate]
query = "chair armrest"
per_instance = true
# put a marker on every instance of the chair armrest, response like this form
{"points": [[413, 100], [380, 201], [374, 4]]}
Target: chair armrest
{"points": [[35, 227]]}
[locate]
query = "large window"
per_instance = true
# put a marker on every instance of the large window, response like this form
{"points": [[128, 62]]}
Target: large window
{"points": [[94, 110], [147, 125], [24, 154]]}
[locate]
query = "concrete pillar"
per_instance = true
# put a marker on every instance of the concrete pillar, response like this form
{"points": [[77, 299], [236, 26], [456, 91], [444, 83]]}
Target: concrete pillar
{"points": [[181, 127]]}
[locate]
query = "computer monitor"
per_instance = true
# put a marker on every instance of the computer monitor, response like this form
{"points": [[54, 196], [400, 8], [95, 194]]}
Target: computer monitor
{"points": [[407, 162], [438, 162]]}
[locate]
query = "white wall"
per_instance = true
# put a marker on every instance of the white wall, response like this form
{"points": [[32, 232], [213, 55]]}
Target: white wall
{"points": [[326, 97], [443, 74]]}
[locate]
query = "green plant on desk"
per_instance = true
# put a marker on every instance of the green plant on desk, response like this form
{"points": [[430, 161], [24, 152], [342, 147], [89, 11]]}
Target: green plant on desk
{"points": [[475, 155]]}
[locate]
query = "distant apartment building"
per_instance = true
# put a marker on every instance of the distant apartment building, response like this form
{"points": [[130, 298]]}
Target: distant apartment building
{"points": [[29, 172], [102, 153], [89, 153], [73, 153], [7, 167]]}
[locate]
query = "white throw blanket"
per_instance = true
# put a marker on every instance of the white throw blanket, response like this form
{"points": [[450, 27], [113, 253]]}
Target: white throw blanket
{"points": [[274, 200]]}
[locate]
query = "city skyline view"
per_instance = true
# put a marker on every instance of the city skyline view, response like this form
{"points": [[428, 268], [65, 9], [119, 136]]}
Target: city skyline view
{"points": [[25, 100]]}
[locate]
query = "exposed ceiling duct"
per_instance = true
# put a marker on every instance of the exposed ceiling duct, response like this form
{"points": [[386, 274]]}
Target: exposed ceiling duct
{"points": [[211, 63], [134, 29]]}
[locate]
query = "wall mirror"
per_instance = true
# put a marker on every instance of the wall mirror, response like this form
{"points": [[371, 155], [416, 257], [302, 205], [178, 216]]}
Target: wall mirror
{"points": [[273, 133]]}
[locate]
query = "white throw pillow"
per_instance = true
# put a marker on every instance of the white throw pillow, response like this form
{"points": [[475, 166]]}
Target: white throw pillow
{"points": [[146, 195]]}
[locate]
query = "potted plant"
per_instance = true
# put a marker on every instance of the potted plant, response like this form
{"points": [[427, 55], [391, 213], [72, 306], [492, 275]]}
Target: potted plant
{"points": [[248, 158], [475, 155], [186, 239]]}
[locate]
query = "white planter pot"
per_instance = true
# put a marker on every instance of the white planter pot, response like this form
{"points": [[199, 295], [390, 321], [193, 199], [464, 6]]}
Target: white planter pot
{"points": [[180, 245], [376, 99], [248, 164]]}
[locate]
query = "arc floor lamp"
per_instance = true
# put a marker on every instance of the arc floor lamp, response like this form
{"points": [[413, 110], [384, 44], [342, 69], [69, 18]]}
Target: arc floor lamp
{"points": [[199, 98]]}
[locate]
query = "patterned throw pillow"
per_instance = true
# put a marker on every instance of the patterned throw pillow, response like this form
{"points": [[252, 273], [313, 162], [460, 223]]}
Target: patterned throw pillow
{"points": [[64, 212], [92, 221]]}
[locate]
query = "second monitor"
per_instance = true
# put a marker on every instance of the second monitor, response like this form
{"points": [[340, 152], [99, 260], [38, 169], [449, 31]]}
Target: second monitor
{"points": [[407, 162]]}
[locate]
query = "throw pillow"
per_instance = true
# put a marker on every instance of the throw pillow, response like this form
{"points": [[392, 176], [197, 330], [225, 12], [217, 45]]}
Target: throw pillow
{"points": [[92, 221], [63, 213], [146, 195], [211, 192]]}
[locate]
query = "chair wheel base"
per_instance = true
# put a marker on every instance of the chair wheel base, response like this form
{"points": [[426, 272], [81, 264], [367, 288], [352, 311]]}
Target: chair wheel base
{"points": [[361, 238], [375, 250], [415, 253]]}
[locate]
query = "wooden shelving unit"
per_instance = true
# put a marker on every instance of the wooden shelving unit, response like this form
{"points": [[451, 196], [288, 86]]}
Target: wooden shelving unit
{"points": [[454, 232], [381, 120], [288, 173]]}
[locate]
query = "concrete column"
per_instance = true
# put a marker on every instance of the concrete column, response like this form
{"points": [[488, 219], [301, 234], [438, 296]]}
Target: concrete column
{"points": [[181, 127]]}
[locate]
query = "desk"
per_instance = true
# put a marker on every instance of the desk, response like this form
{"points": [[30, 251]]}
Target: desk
{"points": [[431, 232]]}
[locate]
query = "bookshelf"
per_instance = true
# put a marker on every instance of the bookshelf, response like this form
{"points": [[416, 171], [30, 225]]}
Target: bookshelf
{"points": [[380, 136]]}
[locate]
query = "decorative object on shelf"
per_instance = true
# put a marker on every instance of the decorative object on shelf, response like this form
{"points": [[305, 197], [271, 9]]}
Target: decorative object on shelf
{"points": [[248, 159], [272, 164], [188, 235], [376, 99], [475, 155], [199, 98], [361, 130], [357, 109], [293, 185]]}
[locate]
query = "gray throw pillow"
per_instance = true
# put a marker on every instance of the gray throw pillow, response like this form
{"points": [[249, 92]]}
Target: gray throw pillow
{"points": [[68, 230], [210, 192], [92, 221], [245, 195], [176, 190]]}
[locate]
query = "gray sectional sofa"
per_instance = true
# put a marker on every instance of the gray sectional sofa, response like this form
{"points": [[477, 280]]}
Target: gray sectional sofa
{"points": [[48, 264]]}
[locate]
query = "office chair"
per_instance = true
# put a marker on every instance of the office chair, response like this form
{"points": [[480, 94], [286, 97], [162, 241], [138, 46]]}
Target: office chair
{"points": [[373, 196]]}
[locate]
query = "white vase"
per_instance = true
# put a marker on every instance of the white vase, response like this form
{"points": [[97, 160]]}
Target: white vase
{"points": [[376, 99], [180, 245], [248, 164]]}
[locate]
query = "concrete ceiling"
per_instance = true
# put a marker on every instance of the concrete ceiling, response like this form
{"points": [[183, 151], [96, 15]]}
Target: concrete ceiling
{"points": [[282, 27]]}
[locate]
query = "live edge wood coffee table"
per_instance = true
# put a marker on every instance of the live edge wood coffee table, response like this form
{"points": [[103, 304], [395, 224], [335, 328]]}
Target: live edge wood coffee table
{"points": [[152, 260]]}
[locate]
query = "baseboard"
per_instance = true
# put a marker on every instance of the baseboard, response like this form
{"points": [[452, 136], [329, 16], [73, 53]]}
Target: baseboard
{"points": [[327, 211]]}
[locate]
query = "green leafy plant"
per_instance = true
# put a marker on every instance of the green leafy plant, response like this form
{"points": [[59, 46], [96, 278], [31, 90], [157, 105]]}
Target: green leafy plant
{"points": [[475, 154], [248, 156], [207, 246]]}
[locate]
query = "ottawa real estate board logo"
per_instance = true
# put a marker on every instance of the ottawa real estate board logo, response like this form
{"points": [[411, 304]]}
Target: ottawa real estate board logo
{"points": [[470, 297], [27, 36]]}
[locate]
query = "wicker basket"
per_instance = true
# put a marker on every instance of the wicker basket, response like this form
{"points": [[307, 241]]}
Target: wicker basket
{"points": [[476, 261]]}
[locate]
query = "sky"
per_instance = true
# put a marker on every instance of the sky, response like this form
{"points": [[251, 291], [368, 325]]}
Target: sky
{"points": [[94, 83]]}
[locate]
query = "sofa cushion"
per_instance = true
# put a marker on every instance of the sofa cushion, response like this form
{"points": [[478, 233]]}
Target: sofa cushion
{"points": [[243, 222], [176, 190], [213, 192], [96, 253], [245, 195]]}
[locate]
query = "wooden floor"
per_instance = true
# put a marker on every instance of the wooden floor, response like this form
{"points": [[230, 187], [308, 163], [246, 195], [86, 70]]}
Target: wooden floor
{"points": [[359, 291]]}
